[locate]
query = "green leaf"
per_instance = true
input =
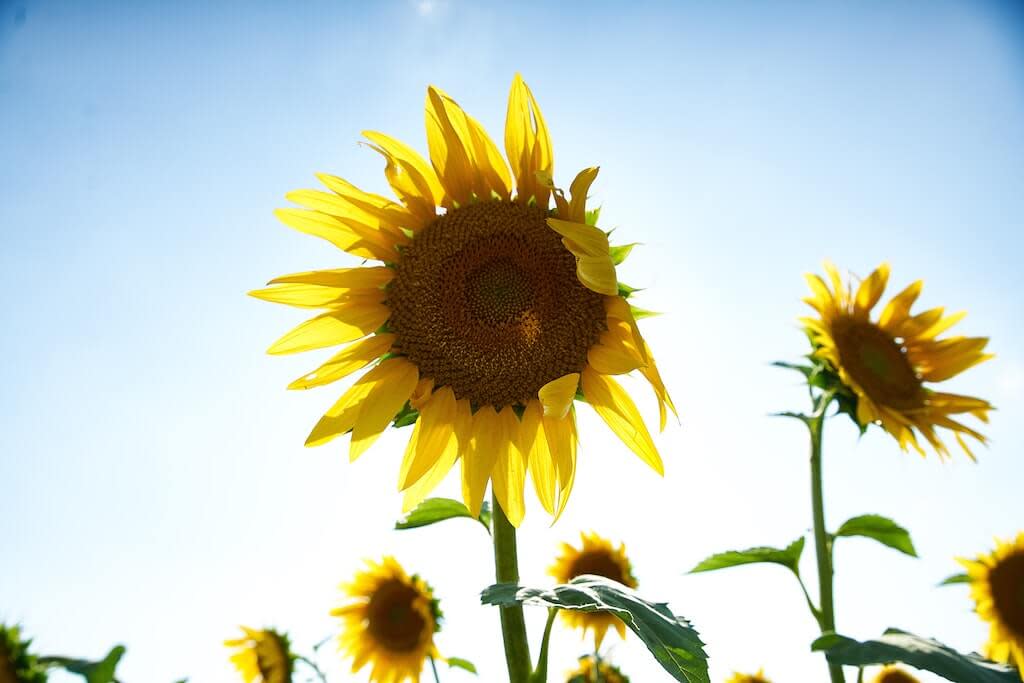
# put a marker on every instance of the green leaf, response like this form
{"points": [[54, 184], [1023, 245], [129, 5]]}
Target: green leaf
{"points": [[406, 416], [93, 672], [881, 529], [434, 510], [923, 653], [670, 638], [464, 664], [590, 218], [954, 579], [485, 515], [620, 253], [787, 557]]}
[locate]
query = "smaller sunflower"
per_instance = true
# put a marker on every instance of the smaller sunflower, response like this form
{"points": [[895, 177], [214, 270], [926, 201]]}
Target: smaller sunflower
{"points": [[389, 623], [17, 664], [997, 586], [596, 556], [759, 677], [885, 364], [894, 674], [587, 672], [262, 656]]}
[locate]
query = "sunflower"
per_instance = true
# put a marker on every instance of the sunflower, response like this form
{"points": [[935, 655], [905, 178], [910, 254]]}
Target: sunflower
{"points": [[596, 556], [748, 678], [17, 664], [262, 656], [487, 315], [587, 672], [997, 586], [885, 364], [390, 622], [894, 674]]}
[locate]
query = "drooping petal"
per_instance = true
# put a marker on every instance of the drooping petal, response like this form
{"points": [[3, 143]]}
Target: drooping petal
{"points": [[509, 474], [437, 417], [527, 144], [557, 395], [478, 460], [617, 409], [650, 372], [458, 442], [578, 190], [597, 273], [350, 321], [561, 437], [582, 239], [418, 176], [615, 352], [393, 384], [540, 462]]}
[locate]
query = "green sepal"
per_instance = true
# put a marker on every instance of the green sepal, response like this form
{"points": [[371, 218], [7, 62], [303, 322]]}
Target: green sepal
{"points": [[625, 291], [406, 416], [591, 217], [620, 253], [819, 375], [788, 557], [459, 663], [881, 529], [641, 313], [955, 579], [434, 510], [670, 638], [14, 653], [922, 653]]}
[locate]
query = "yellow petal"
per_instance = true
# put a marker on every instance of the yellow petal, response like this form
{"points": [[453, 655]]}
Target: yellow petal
{"points": [[350, 321], [347, 361], [448, 153], [415, 494], [419, 175], [561, 437], [315, 296], [370, 208], [557, 395], [650, 372], [540, 462], [583, 239], [351, 236], [488, 159], [392, 386], [898, 308], [478, 460], [509, 474], [366, 277], [615, 353], [342, 415], [870, 291], [527, 144], [579, 188], [597, 273], [617, 409], [437, 418]]}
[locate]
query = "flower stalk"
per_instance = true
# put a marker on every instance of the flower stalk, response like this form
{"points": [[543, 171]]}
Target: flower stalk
{"points": [[513, 624]]}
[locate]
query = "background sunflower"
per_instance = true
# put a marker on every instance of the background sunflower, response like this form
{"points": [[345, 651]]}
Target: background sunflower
{"points": [[997, 587]]}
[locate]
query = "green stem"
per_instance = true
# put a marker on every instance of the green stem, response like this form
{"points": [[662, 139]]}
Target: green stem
{"points": [[598, 678], [822, 543], [540, 672], [513, 625], [433, 667], [312, 665]]}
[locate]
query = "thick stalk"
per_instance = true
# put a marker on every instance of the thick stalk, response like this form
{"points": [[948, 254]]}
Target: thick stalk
{"points": [[513, 626], [822, 542]]}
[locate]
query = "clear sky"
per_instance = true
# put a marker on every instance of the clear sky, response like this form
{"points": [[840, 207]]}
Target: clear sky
{"points": [[154, 489]]}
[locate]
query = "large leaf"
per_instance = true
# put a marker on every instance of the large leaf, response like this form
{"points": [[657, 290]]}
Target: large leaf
{"points": [[787, 557], [671, 639], [923, 653], [434, 510], [881, 529], [93, 672]]}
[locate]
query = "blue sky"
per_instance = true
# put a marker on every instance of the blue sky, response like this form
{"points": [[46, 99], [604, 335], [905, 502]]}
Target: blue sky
{"points": [[154, 489]]}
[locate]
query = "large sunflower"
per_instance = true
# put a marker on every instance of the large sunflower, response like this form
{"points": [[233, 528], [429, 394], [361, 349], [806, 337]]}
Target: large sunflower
{"points": [[596, 556], [893, 674], [588, 669], [262, 656], [997, 586], [487, 315], [17, 663], [885, 363], [389, 622]]}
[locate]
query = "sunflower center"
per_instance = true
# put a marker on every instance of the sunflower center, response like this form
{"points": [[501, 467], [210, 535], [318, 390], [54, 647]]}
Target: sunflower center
{"points": [[486, 300], [394, 621], [877, 363], [1007, 581], [601, 564]]}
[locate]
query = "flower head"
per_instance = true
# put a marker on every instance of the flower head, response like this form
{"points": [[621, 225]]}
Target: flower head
{"points": [[885, 364], [587, 672], [262, 656], [488, 315], [759, 677], [596, 556], [17, 664], [389, 622], [997, 586], [894, 674]]}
